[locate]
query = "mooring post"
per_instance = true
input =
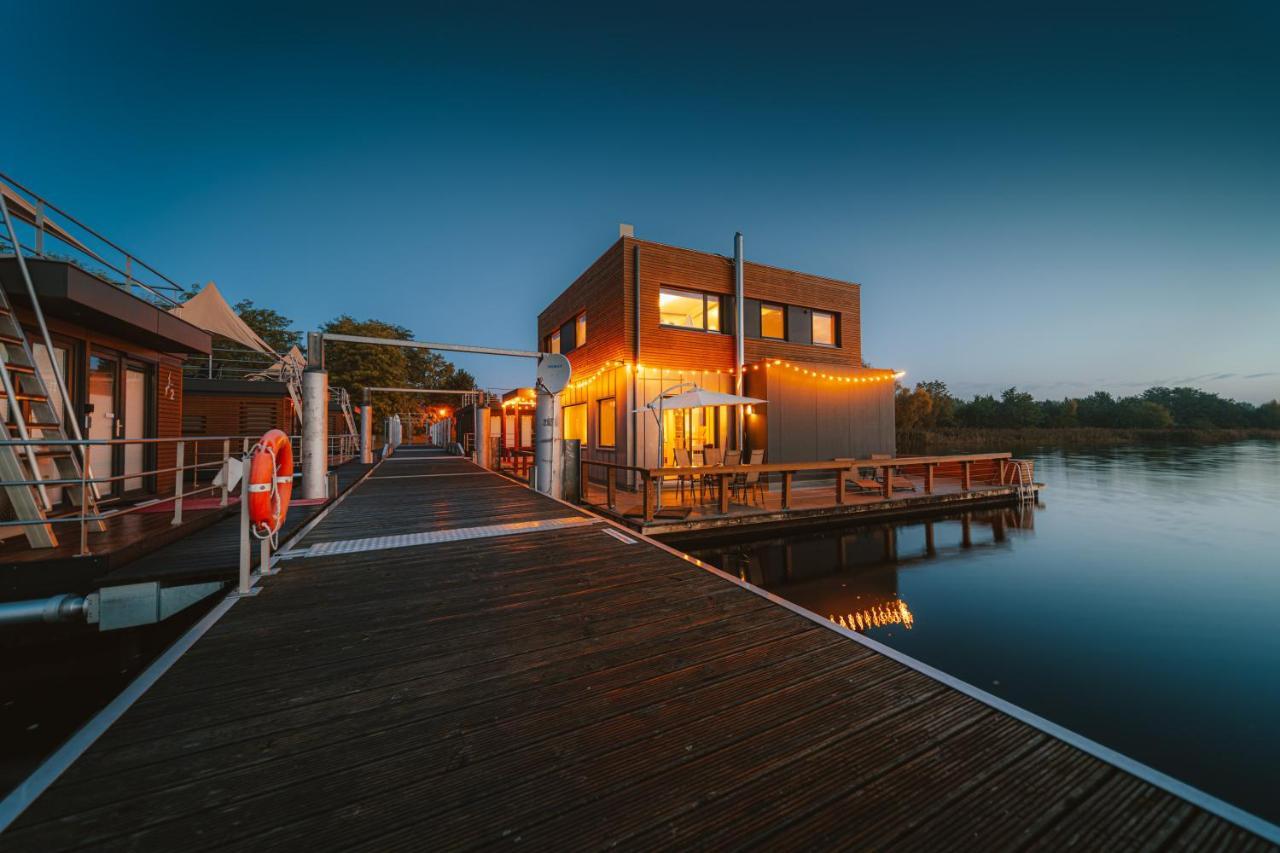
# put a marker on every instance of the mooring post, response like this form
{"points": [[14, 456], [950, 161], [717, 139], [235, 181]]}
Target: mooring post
{"points": [[315, 432]]}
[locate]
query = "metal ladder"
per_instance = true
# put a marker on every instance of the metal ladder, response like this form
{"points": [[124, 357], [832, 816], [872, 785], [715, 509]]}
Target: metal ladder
{"points": [[344, 403], [29, 411], [1021, 479]]}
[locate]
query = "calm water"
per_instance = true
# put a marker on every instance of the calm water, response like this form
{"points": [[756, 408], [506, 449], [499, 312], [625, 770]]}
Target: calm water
{"points": [[1138, 605]]}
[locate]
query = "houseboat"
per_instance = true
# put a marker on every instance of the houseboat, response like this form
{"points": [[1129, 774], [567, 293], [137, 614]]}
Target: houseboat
{"points": [[646, 318]]}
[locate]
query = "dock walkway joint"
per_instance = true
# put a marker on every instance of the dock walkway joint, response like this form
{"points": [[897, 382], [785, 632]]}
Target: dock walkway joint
{"points": [[563, 688]]}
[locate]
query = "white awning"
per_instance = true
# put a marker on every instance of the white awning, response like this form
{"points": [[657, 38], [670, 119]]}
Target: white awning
{"points": [[209, 311]]}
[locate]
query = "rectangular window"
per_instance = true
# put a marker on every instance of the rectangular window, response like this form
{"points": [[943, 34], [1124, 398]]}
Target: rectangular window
{"points": [[773, 322], [575, 422], [582, 329], [607, 423], [824, 329], [688, 309], [553, 344]]}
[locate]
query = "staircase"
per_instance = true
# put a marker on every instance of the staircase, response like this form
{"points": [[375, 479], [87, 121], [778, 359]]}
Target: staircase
{"points": [[31, 414]]}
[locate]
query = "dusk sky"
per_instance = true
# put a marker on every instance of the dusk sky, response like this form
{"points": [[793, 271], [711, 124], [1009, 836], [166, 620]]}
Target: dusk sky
{"points": [[1061, 199]]}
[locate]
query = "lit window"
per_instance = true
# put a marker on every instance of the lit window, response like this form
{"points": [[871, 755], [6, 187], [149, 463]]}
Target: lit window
{"points": [[682, 308], [555, 341], [575, 422], [608, 421], [713, 313], [824, 329], [582, 330], [773, 322]]}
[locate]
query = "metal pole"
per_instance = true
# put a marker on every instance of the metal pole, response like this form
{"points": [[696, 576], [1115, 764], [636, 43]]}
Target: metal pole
{"points": [[547, 442], [366, 432], [315, 432], [39, 227], [226, 470], [739, 309]]}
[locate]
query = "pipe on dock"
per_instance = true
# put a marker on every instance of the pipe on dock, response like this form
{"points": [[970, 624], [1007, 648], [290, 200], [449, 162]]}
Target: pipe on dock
{"points": [[58, 608]]}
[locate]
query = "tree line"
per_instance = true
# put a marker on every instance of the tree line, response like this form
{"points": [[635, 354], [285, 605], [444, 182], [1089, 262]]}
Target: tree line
{"points": [[930, 406]]}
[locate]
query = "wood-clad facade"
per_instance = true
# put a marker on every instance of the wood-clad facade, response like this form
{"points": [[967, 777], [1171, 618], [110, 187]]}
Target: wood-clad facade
{"points": [[646, 316]]}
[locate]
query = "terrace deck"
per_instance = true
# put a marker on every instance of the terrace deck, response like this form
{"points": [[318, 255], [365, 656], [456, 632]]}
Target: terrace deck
{"points": [[560, 687], [694, 510]]}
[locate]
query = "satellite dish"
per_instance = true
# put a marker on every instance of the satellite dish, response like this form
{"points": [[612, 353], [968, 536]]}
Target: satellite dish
{"points": [[553, 372]]}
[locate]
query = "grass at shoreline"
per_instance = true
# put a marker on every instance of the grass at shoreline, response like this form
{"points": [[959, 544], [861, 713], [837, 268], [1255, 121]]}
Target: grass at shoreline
{"points": [[979, 440]]}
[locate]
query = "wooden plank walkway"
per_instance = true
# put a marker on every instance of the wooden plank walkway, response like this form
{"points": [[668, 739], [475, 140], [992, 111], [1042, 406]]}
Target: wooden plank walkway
{"points": [[565, 689]]}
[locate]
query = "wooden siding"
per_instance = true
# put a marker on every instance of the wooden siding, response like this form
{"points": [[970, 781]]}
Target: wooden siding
{"points": [[810, 419], [598, 292]]}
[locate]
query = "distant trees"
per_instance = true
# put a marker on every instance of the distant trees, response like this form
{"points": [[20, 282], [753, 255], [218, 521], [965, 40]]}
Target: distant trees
{"points": [[359, 366], [930, 406]]}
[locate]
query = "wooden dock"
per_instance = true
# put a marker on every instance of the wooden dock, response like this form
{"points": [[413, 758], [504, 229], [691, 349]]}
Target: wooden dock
{"points": [[408, 683]]}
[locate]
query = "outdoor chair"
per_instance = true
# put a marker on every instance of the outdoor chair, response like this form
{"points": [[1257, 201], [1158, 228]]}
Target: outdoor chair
{"points": [[749, 483], [732, 458], [682, 459], [710, 458]]}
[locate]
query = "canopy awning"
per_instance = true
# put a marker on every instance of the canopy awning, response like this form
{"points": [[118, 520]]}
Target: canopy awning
{"points": [[291, 363], [209, 311]]}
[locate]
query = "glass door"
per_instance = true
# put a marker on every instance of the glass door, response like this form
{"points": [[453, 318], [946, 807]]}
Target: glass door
{"points": [[102, 420], [136, 407]]}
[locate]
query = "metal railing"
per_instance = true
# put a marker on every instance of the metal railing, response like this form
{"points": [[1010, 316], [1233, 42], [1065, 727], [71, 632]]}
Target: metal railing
{"points": [[49, 231], [194, 456]]}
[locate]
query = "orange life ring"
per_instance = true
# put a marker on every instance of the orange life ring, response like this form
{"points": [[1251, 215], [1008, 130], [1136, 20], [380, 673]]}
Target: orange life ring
{"points": [[270, 483]]}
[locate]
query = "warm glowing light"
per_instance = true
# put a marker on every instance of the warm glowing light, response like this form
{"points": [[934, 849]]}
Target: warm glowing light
{"points": [[895, 612]]}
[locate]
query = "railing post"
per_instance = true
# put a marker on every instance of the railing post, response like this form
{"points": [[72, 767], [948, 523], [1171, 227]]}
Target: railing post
{"points": [[244, 532], [584, 486], [226, 470], [611, 487], [966, 477], [786, 489], [840, 486], [179, 464], [724, 494], [887, 490], [928, 478], [84, 509], [648, 496]]}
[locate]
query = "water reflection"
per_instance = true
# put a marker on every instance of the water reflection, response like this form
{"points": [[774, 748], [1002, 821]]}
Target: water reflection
{"points": [[851, 575]]}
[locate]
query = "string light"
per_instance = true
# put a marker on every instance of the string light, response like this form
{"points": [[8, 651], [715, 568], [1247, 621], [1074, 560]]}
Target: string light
{"points": [[643, 372]]}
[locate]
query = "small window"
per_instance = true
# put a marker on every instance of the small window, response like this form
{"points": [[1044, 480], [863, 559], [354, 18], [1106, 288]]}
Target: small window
{"points": [[575, 422], [553, 343], [713, 313], [607, 423], [582, 329], [773, 322], [824, 329]]}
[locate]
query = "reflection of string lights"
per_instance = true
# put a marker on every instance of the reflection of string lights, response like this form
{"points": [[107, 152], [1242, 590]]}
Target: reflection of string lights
{"points": [[876, 616], [650, 372]]}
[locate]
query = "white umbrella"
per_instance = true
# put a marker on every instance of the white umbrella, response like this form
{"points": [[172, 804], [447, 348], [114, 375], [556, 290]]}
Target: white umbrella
{"points": [[693, 398]]}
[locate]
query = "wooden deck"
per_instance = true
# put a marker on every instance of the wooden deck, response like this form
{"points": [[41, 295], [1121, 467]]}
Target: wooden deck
{"points": [[564, 689]]}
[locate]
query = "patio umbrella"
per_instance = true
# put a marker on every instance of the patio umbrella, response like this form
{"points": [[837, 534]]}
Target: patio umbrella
{"points": [[691, 398]]}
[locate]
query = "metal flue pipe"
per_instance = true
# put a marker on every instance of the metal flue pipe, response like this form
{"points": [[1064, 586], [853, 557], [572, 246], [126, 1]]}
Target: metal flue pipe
{"points": [[739, 333]]}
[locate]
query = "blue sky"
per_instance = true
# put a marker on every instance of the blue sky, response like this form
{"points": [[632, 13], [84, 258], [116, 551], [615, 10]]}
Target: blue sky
{"points": [[1060, 198]]}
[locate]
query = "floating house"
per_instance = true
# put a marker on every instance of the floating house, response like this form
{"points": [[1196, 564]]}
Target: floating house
{"points": [[646, 318]]}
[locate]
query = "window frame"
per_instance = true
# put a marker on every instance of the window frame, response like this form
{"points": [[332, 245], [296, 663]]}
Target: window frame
{"points": [[553, 342], [613, 423], [580, 329], [782, 312], [835, 328], [706, 302]]}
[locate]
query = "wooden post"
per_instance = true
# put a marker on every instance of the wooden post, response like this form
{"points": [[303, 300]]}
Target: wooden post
{"points": [[888, 481], [1000, 471], [648, 497], [928, 479], [966, 477], [724, 494], [611, 487], [582, 486], [180, 464], [839, 487], [786, 489]]}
